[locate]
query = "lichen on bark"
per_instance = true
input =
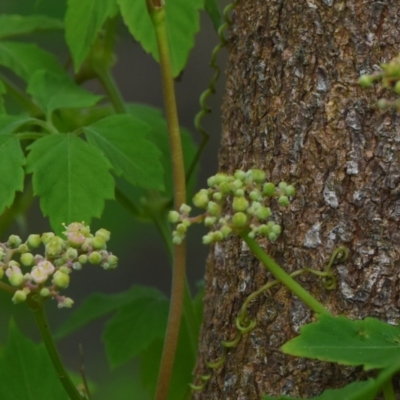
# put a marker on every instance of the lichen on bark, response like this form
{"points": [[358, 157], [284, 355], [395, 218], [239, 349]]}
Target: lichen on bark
{"points": [[293, 107]]}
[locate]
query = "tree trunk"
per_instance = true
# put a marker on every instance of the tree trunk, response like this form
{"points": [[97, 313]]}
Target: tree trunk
{"points": [[293, 107]]}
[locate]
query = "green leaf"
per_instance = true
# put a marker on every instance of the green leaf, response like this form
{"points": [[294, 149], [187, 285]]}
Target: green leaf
{"points": [[370, 342], [83, 21], [182, 369], [71, 177], [14, 25], [52, 91], [212, 10], [26, 371], [159, 136], [99, 305], [2, 91], [10, 123], [24, 59], [123, 140], [134, 328], [12, 174], [182, 18]]}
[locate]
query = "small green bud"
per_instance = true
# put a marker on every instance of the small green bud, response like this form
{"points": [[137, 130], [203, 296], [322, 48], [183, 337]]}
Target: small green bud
{"points": [[366, 81], [46, 237], [240, 204], [269, 189], [239, 174], [13, 264], [34, 241], [61, 279], [256, 175], [64, 269], [54, 246], [383, 104], [397, 87], [217, 236], [23, 248], [277, 229], [272, 236], [209, 221], [71, 253], [44, 292], [19, 296], [201, 199], [181, 229], [290, 191], [224, 188], [77, 266], [14, 241], [95, 257], [239, 193], [263, 212], [112, 261], [282, 185], [236, 184], [98, 243], [225, 230], [104, 233], [217, 196], [83, 258], [177, 239], [173, 217], [283, 201], [15, 276], [221, 177], [185, 209], [207, 239], [239, 219], [65, 302], [255, 195], [27, 259], [186, 222], [213, 208]]}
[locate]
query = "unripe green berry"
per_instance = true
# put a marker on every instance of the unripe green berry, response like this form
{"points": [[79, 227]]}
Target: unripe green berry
{"points": [[61, 279], [290, 191], [14, 241], [44, 292], [240, 204], [64, 269], [181, 228], [269, 189], [277, 229], [255, 195], [112, 261], [221, 177], [217, 236], [19, 296], [34, 241], [46, 237], [224, 188], [173, 217], [217, 196], [283, 201], [95, 257], [272, 236], [16, 279], [239, 193], [186, 222], [27, 259], [225, 230], [201, 199], [239, 219], [236, 184]]}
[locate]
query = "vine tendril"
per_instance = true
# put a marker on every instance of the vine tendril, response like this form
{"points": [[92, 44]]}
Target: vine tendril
{"points": [[245, 324], [204, 109]]}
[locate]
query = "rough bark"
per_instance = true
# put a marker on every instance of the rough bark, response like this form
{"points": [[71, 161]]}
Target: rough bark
{"points": [[293, 108]]}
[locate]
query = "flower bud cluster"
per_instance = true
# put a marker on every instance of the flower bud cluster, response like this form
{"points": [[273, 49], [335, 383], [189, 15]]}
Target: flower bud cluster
{"points": [[247, 193], [50, 273], [390, 78]]}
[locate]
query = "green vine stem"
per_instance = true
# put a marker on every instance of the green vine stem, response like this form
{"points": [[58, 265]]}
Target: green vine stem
{"points": [[156, 10], [388, 391], [283, 276], [204, 109], [41, 321]]}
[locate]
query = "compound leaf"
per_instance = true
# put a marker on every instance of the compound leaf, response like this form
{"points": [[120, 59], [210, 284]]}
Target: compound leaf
{"points": [[71, 177], [52, 91], [369, 342], [124, 141], [26, 370], [83, 21], [182, 19], [25, 58], [14, 25], [11, 161]]}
